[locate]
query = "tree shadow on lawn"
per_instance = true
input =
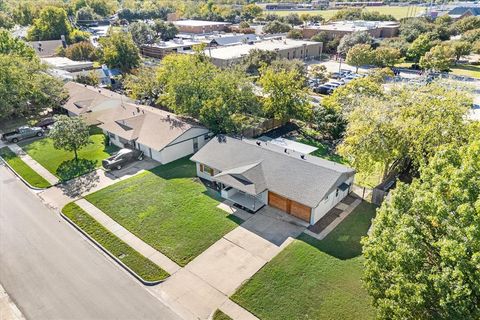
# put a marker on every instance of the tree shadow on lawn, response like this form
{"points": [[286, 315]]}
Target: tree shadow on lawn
{"points": [[70, 169], [344, 241]]}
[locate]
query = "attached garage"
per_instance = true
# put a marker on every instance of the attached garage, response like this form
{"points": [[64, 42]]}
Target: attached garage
{"points": [[292, 207]]}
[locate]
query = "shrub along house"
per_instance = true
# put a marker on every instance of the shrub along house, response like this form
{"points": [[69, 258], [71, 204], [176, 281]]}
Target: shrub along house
{"points": [[253, 174], [161, 135]]}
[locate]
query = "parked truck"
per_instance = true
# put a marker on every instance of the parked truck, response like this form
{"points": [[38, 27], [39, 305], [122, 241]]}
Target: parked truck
{"points": [[22, 133]]}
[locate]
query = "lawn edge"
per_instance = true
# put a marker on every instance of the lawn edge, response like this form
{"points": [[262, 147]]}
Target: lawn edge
{"points": [[111, 255], [23, 179]]}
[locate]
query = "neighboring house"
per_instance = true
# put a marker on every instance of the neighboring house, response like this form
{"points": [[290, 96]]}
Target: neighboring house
{"points": [[63, 63], [253, 174], [106, 76], [462, 12], [161, 135], [47, 49]]}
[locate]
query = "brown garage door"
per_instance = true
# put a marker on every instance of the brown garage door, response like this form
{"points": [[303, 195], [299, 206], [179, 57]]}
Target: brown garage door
{"points": [[300, 211], [294, 208], [277, 201]]}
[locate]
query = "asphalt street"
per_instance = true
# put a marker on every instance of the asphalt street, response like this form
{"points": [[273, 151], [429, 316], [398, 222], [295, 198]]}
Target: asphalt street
{"points": [[51, 272]]}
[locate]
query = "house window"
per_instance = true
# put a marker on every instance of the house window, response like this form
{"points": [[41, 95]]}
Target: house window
{"points": [[123, 141], [112, 136], [206, 169]]}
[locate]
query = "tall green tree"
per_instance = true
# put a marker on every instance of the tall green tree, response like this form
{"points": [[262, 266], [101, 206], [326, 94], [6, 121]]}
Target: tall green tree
{"points": [[141, 33], [420, 46], [14, 46], [165, 30], [50, 25], [439, 58], [460, 49], [349, 40], [386, 57], [25, 88], [360, 55], [69, 134], [285, 96], [422, 254], [119, 51]]}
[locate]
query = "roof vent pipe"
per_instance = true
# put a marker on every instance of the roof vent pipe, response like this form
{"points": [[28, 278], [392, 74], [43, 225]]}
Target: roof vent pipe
{"points": [[258, 143], [302, 156]]}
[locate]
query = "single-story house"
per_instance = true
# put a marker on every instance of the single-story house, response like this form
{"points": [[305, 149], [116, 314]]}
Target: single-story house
{"points": [[253, 174], [161, 135], [460, 12], [47, 48]]}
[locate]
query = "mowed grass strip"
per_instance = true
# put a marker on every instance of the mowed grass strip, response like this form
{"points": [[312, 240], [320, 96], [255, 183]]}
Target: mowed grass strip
{"points": [[219, 315], [143, 267], [61, 163], [23, 169], [310, 279], [168, 209]]}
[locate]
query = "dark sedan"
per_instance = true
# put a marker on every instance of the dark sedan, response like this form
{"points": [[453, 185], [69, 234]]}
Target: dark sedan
{"points": [[122, 158]]}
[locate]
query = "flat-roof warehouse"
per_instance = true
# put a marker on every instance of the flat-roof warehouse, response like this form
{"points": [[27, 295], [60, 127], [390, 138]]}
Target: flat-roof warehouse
{"points": [[286, 48]]}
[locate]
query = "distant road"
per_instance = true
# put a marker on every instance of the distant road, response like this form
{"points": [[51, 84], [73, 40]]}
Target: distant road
{"points": [[51, 272]]}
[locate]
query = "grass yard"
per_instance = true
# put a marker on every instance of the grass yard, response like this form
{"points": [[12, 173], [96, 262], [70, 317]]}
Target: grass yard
{"points": [[24, 170], [468, 70], [219, 315], [145, 268], [312, 279], [62, 164], [363, 179], [168, 209], [396, 11]]}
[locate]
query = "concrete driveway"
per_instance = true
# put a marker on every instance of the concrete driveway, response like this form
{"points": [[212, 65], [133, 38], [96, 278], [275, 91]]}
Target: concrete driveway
{"points": [[206, 282]]}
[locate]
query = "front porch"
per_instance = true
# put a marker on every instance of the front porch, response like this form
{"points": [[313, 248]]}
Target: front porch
{"points": [[250, 203]]}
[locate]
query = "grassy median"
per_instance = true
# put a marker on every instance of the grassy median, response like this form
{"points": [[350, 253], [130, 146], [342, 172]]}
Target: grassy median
{"points": [[219, 315], [145, 268], [22, 169]]}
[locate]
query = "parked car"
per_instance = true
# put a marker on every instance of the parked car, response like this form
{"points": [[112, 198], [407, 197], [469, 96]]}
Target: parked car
{"points": [[22, 133], [122, 158], [325, 89], [45, 123], [338, 82]]}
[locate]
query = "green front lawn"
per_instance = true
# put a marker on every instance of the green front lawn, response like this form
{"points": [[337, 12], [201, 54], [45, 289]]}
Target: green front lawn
{"points": [[145, 268], [23, 169], [312, 279], [62, 163], [168, 209]]}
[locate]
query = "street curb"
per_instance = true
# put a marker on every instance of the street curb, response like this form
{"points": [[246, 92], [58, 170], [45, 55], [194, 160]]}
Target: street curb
{"points": [[21, 178], [133, 273]]}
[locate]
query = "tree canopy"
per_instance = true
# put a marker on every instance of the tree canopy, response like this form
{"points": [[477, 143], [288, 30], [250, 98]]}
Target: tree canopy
{"points": [[69, 134], [423, 251], [119, 51], [51, 24]]}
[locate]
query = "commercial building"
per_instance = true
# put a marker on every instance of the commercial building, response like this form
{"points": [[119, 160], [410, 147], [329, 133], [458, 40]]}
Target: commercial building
{"points": [[200, 26], [285, 48], [377, 29]]}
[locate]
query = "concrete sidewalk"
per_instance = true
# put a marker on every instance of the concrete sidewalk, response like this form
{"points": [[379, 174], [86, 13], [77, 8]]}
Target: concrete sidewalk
{"points": [[8, 309], [129, 238], [205, 284], [37, 167]]}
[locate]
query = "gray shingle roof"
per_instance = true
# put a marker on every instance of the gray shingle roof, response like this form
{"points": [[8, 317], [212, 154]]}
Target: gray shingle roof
{"points": [[267, 166], [458, 11]]}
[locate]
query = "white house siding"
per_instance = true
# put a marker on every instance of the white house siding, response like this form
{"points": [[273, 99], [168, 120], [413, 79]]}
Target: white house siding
{"points": [[331, 201], [183, 145], [113, 139]]}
